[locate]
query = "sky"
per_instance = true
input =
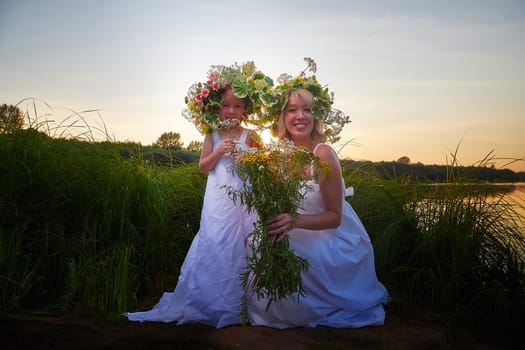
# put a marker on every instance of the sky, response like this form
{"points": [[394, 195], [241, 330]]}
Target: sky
{"points": [[430, 80]]}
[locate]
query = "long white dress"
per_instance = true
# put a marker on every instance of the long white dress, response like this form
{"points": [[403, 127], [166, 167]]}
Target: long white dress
{"points": [[342, 289], [208, 289]]}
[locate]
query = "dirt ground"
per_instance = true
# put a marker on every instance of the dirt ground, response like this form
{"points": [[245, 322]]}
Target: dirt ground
{"points": [[20, 331]]}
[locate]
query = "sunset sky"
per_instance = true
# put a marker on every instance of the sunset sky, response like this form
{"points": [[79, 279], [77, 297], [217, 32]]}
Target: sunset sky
{"points": [[417, 78]]}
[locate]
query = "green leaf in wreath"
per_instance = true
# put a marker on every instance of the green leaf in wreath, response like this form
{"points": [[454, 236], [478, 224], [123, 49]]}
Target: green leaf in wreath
{"points": [[269, 99], [240, 88]]}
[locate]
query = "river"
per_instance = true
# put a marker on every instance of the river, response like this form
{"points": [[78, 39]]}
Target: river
{"points": [[517, 198]]}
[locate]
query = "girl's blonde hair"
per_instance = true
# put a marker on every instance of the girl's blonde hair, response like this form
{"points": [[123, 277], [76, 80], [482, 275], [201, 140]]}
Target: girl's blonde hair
{"points": [[318, 130]]}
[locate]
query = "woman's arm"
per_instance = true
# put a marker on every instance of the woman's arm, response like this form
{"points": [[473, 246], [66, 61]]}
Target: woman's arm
{"points": [[253, 140]]}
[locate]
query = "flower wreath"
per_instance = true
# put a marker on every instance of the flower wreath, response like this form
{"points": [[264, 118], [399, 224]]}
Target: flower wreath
{"points": [[333, 119], [203, 101]]}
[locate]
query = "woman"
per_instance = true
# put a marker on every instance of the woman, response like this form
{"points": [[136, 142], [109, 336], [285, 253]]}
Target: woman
{"points": [[341, 286]]}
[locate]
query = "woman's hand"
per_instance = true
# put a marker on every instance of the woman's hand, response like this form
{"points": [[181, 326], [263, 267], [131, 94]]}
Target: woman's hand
{"points": [[280, 225]]}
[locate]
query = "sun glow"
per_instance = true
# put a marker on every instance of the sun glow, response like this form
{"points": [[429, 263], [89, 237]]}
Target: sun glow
{"points": [[267, 137]]}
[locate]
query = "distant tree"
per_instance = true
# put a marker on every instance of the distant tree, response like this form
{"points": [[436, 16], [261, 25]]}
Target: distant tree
{"points": [[11, 118], [169, 140], [194, 146], [404, 160]]}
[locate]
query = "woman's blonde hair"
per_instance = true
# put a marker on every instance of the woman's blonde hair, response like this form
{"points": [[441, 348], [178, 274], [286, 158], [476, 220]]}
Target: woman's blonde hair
{"points": [[318, 130]]}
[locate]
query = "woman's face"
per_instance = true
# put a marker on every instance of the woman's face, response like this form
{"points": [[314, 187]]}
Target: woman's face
{"points": [[298, 118], [232, 107]]}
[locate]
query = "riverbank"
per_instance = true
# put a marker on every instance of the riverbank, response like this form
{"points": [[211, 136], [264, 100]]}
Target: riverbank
{"points": [[399, 332]]}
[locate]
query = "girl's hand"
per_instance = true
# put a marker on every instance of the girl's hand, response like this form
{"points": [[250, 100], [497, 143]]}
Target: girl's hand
{"points": [[235, 153], [226, 146], [280, 225]]}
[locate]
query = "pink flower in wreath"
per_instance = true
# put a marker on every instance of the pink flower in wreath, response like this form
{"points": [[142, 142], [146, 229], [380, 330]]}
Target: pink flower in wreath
{"points": [[215, 85], [205, 92]]}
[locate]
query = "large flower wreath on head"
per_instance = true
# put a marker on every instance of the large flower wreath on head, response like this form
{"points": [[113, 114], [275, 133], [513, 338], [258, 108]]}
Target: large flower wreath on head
{"points": [[203, 101], [333, 119]]}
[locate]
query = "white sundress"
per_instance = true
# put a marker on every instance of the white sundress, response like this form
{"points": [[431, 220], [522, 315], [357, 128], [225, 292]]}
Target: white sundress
{"points": [[342, 289], [208, 289]]}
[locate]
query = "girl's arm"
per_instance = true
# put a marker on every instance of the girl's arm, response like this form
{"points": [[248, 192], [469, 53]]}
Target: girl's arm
{"points": [[210, 156]]}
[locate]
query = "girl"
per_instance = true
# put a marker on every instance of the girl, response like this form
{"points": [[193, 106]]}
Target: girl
{"points": [[208, 289]]}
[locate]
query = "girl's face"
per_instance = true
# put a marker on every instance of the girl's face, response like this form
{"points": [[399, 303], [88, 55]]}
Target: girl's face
{"points": [[232, 107], [298, 117]]}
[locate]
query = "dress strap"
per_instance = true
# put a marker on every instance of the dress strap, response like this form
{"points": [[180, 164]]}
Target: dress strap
{"points": [[312, 169], [315, 148], [216, 137], [243, 136]]}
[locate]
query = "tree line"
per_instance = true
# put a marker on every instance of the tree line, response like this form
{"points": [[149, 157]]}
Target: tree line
{"points": [[165, 154], [432, 173], [170, 142], [170, 150]]}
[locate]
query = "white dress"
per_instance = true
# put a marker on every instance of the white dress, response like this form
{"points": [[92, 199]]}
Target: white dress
{"points": [[342, 289], [208, 289]]}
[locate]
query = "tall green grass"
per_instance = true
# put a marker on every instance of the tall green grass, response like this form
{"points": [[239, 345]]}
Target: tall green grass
{"points": [[83, 229], [451, 246]]}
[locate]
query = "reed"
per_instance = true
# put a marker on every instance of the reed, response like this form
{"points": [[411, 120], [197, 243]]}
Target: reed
{"points": [[459, 249], [82, 228]]}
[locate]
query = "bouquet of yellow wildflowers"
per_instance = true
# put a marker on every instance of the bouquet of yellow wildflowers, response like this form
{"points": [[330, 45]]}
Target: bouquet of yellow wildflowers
{"points": [[273, 184]]}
